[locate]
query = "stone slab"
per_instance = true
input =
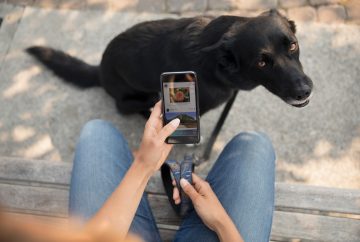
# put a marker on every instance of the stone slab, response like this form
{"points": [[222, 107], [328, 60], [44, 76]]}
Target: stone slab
{"points": [[302, 14], [41, 117], [332, 14], [257, 4], [292, 3], [11, 16], [353, 10], [176, 6]]}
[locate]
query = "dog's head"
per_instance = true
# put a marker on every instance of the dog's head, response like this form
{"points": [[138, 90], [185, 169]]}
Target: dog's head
{"points": [[264, 51]]}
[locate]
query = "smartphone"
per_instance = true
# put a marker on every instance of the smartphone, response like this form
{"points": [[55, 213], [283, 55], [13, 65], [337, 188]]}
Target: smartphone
{"points": [[179, 93]]}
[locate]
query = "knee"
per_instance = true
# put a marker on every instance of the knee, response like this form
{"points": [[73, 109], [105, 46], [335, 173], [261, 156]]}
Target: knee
{"points": [[252, 137], [99, 138], [94, 126], [256, 142], [97, 128], [99, 134]]}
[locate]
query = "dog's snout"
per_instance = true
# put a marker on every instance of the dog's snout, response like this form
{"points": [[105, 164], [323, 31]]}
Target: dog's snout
{"points": [[303, 93]]}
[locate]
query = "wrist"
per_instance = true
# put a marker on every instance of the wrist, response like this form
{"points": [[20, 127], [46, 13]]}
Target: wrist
{"points": [[222, 223], [226, 230], [140, 165]]}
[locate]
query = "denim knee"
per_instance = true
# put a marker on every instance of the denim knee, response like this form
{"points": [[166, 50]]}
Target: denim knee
{"points": [[252, 136], [98, 135], [97, 127], [257, 141]]}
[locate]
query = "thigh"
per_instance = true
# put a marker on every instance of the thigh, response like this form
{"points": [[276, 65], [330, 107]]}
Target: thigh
{"points": [[243, 179], [102, 158]]}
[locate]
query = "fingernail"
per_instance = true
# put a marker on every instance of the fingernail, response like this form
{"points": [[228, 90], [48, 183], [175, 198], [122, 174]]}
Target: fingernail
{"points": [[175, 122], [183, 182]]}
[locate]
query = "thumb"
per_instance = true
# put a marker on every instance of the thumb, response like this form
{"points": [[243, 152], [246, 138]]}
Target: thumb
{"points": [[168, 129], [188, 189]]}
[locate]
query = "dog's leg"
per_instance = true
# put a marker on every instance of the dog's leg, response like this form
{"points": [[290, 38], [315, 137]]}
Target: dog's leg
{"points": [[134, 104]]}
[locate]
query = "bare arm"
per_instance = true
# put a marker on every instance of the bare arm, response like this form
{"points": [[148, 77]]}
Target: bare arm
{"points": [[227, 231], [119, 210]]}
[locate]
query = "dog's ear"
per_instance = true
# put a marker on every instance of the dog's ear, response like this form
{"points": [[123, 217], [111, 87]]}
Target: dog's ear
{"points": [[271, 12], [292, 26], [226, 59], [275, 12]]}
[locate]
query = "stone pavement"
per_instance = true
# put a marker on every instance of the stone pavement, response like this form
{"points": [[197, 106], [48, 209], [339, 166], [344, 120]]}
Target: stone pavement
{"points": [[327, 11], [41, 117]]}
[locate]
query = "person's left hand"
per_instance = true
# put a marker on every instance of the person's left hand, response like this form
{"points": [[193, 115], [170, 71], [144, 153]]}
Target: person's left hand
{"points": [[153, 149]]}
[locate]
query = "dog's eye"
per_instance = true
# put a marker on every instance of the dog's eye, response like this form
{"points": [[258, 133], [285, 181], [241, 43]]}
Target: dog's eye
{"points": [[293, 46], [261, 64]]}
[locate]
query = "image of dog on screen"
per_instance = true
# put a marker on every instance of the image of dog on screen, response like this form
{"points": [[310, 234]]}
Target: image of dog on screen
{"points": [[179, 95]]}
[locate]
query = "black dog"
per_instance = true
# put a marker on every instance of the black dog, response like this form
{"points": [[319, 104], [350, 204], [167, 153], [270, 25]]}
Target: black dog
{"points": [[227, 53]]}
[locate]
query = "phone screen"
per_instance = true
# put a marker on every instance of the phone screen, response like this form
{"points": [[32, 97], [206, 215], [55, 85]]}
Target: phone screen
{"points": [[180, 100]]}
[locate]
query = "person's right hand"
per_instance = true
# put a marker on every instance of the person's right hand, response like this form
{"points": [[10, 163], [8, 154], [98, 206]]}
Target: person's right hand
{"points": [[205, 202]]}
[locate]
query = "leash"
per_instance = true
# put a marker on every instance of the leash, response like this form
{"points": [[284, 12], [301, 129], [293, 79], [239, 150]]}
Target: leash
{"points": [[181, 169], [218, 127], [184, 169]]}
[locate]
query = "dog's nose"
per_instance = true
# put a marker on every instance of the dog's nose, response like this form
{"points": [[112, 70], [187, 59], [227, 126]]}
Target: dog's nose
{"points": [[303, 93], [304, 87]]}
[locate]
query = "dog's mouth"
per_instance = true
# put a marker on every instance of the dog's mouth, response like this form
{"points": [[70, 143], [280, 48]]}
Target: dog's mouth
{"points": [[300, 105]]}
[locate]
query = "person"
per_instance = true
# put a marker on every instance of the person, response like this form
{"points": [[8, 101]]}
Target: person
{"points": [[27, 228], [234, 203]]}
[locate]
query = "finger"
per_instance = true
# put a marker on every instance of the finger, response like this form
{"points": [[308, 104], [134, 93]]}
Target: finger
{"points": [[201, 186], [189, 189], [176, 194], [153, 121], [168, 129], [196, 178], [155, 114]]}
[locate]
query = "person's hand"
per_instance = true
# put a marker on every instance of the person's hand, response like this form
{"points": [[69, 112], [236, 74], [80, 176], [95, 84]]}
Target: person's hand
{"points": [[205, 202], [153, 149]]}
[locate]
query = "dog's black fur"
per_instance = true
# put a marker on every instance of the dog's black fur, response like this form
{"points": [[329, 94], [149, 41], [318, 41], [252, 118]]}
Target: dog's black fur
{"points": [[227, 53]]}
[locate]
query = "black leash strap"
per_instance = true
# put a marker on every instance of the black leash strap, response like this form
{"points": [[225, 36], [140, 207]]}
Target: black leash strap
{"points": [[182, 169], [185, 168], [218, 127]]}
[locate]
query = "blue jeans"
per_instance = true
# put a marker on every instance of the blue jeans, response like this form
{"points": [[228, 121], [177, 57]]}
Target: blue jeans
{"points": [[242, 178]]}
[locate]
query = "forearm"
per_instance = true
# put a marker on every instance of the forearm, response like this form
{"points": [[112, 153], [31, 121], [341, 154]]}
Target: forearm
{"points": [[227, 231], [119, 210]]}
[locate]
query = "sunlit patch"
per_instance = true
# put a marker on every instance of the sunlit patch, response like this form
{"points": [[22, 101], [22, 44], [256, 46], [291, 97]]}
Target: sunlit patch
{"points": [[40, 41], [44, 89], [21, 82], [21, 133], [4, 136], [218, 145], [42, 146], [25, 116], [48, 105], [322, 148], [343, 40], [322, 169]]}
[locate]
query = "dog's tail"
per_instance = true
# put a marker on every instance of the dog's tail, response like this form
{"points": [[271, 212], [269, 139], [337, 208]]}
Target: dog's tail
{"points": [[69, 68]]}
